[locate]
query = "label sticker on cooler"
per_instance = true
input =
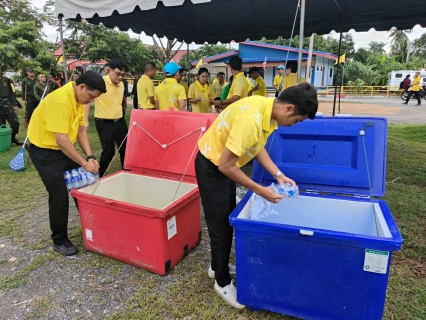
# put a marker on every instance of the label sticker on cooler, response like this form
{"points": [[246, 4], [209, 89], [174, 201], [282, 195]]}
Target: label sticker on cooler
{"points": [[376, 261], [171, 227], [89, 235]]}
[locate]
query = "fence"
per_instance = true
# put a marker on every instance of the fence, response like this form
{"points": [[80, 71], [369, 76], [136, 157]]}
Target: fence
{"points": [[361, 91]]}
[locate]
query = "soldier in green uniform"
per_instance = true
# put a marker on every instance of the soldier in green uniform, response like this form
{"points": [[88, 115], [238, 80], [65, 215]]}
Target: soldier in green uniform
{"points": [[28, 93], [9, 107], [52, 83], [40, 87]]}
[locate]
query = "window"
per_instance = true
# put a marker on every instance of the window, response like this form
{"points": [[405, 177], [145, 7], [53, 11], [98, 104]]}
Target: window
{"points": [[424, 79], [398, 75], [331, 73]]}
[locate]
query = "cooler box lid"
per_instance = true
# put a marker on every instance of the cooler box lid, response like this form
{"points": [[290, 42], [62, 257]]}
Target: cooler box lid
{"points": [[327, 154], [165, 142]]}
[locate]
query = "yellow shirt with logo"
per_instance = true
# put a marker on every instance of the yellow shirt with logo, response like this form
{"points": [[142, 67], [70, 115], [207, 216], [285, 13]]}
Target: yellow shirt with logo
{"points": [[145, 91], [291, 80], [168, 93], [204, 105], [416, 84], [249, 85], [277, 80], [262, 87], [243, 128], [59, 112], [239, 86], [109, 105]]}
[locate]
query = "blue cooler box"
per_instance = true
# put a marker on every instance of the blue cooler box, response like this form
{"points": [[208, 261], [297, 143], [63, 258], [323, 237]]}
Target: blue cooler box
{"points": [[327, 254]]}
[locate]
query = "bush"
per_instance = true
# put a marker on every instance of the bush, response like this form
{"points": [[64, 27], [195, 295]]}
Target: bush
{"points": [[355, 71], [18, 93]]}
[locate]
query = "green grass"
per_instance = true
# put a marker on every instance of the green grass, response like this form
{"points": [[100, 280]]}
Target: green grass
{"points": [[188, 291]]}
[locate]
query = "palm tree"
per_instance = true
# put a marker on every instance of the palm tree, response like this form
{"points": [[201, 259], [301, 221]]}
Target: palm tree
{"points": [[400, 44], [376, 47]]}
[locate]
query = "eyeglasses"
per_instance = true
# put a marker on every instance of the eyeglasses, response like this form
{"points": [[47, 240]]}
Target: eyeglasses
{"points": [[119, 74]]}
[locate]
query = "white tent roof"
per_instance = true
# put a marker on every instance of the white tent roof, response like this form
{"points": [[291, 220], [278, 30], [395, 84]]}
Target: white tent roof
{"points": [[105, 8]]}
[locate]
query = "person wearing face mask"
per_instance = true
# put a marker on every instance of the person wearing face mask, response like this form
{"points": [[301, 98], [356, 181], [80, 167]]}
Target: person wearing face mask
{"points": [[109, 121], [200, 93], [55, 126]]}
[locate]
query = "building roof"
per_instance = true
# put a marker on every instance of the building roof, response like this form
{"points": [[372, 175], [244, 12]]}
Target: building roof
{"points": [[217, 57], [178, 55]]}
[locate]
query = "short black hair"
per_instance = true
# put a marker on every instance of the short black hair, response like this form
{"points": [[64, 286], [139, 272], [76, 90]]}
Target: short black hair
{"points": [[202, 70], [220, 73], [407, 76], [149, 65], [185, 69], [253, 69], [230, 80], [292, 65], [236, 63], [117, 64], [92, 80], [303, 97]]}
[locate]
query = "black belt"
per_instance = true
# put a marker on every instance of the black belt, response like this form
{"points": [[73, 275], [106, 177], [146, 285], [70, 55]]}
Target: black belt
{"points": [[108, 120]]}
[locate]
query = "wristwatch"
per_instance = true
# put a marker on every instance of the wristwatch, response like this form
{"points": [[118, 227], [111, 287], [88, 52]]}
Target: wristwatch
{"points": [[90, 157], [277, 174]]}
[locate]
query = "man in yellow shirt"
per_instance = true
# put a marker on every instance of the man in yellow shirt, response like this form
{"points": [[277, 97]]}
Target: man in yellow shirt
{"points": [[145, 87], [109, 121], [239, 88], [218, 85], [237, 136], [278, 80], [55, 125], [291, 75], [169, 93], [415, 89], [259, 84]]}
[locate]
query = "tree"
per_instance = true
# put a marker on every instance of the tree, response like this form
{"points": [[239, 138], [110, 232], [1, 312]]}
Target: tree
{"points": [[206, 50], [96, 43], [376, 47], [355, 70], [361, 55], [400, 44], [419, 47]]}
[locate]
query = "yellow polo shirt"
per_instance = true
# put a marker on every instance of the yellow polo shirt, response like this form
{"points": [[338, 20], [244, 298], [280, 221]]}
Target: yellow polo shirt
{"points": [[217, 89], [109, 105], [168, 93], [277, 80], [59, 112], [185, 86], [239, 86], [145, 91], [250, 86], [291, 80], [204, 105], [416, 84], [243, 128], [262, 87], [215, 80]]}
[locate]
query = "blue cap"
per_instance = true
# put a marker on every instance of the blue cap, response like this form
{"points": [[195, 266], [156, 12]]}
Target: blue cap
{"points": [[281, 67], [171, 68]]}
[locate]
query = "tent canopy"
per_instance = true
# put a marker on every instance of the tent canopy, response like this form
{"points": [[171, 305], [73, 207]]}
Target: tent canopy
{"points": [[211, 21]]}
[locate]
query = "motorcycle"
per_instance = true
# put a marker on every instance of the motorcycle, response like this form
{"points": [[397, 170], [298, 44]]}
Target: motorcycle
{"points": [[422, 93]]}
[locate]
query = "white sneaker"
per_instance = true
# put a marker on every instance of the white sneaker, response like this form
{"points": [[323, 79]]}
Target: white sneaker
{"points": [[229, 294], [231, 267]]}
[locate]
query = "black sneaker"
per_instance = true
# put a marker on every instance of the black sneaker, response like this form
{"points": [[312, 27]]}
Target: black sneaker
{"points": [[17, 142], [418, 105], [405, 103], [67, 248]]}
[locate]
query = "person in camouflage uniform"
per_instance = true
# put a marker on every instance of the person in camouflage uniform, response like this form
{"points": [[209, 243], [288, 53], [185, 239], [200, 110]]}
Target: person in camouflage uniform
{"points": [[40, 87], [9, 107], [52, 84], [28, 94]]}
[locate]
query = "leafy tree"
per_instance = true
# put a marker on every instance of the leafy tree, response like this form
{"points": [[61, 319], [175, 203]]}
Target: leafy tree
{"points": [[419, 47], [400, 44], [205, 50], [376, 47], [355, 70], [361, 55]]}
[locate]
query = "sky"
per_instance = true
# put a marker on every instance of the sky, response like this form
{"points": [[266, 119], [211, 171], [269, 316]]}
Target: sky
{"points": [[361, 39]]}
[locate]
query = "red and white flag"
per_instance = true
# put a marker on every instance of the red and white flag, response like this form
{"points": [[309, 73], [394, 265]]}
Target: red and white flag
{"points": [[264, 64]]}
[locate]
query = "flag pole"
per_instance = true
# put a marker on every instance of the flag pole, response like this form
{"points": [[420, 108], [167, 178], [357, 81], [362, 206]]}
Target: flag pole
{"points": [[337, 73]]}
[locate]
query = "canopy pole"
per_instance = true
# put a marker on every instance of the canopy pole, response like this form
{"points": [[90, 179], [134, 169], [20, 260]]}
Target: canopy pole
{"points": [[308, 65], [301, 32], [64, 61], [337, 73]]}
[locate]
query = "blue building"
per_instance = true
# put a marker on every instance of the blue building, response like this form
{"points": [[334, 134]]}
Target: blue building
{"points": [[254, 53]]}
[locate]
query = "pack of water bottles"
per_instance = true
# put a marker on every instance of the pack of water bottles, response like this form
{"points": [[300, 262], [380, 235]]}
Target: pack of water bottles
{"points": [[261, 208], [79, 177]]}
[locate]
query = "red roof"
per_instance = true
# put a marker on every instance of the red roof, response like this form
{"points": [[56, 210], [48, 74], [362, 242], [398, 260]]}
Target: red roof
{"points": [[178, 55]]}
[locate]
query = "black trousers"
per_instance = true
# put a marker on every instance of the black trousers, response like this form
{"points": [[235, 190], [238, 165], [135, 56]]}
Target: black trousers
{"points": [[32, 104], [416, 93], [50, 165], [110, 132], [218, 197]]}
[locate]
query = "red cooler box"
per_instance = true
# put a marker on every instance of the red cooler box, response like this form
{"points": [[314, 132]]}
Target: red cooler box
{"points": [[148, 215]]}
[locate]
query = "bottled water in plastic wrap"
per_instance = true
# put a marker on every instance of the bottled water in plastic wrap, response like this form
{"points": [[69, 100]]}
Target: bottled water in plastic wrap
{"points": [[260, 208]]}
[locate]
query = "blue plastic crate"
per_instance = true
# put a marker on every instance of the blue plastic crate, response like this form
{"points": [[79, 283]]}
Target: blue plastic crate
{"points": [[323, 256]]}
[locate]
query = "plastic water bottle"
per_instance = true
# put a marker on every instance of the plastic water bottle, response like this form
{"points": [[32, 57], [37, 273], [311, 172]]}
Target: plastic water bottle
{"points": [[75, 179], [82, 176], [92, 178], [290, 192], [68, 180]]}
